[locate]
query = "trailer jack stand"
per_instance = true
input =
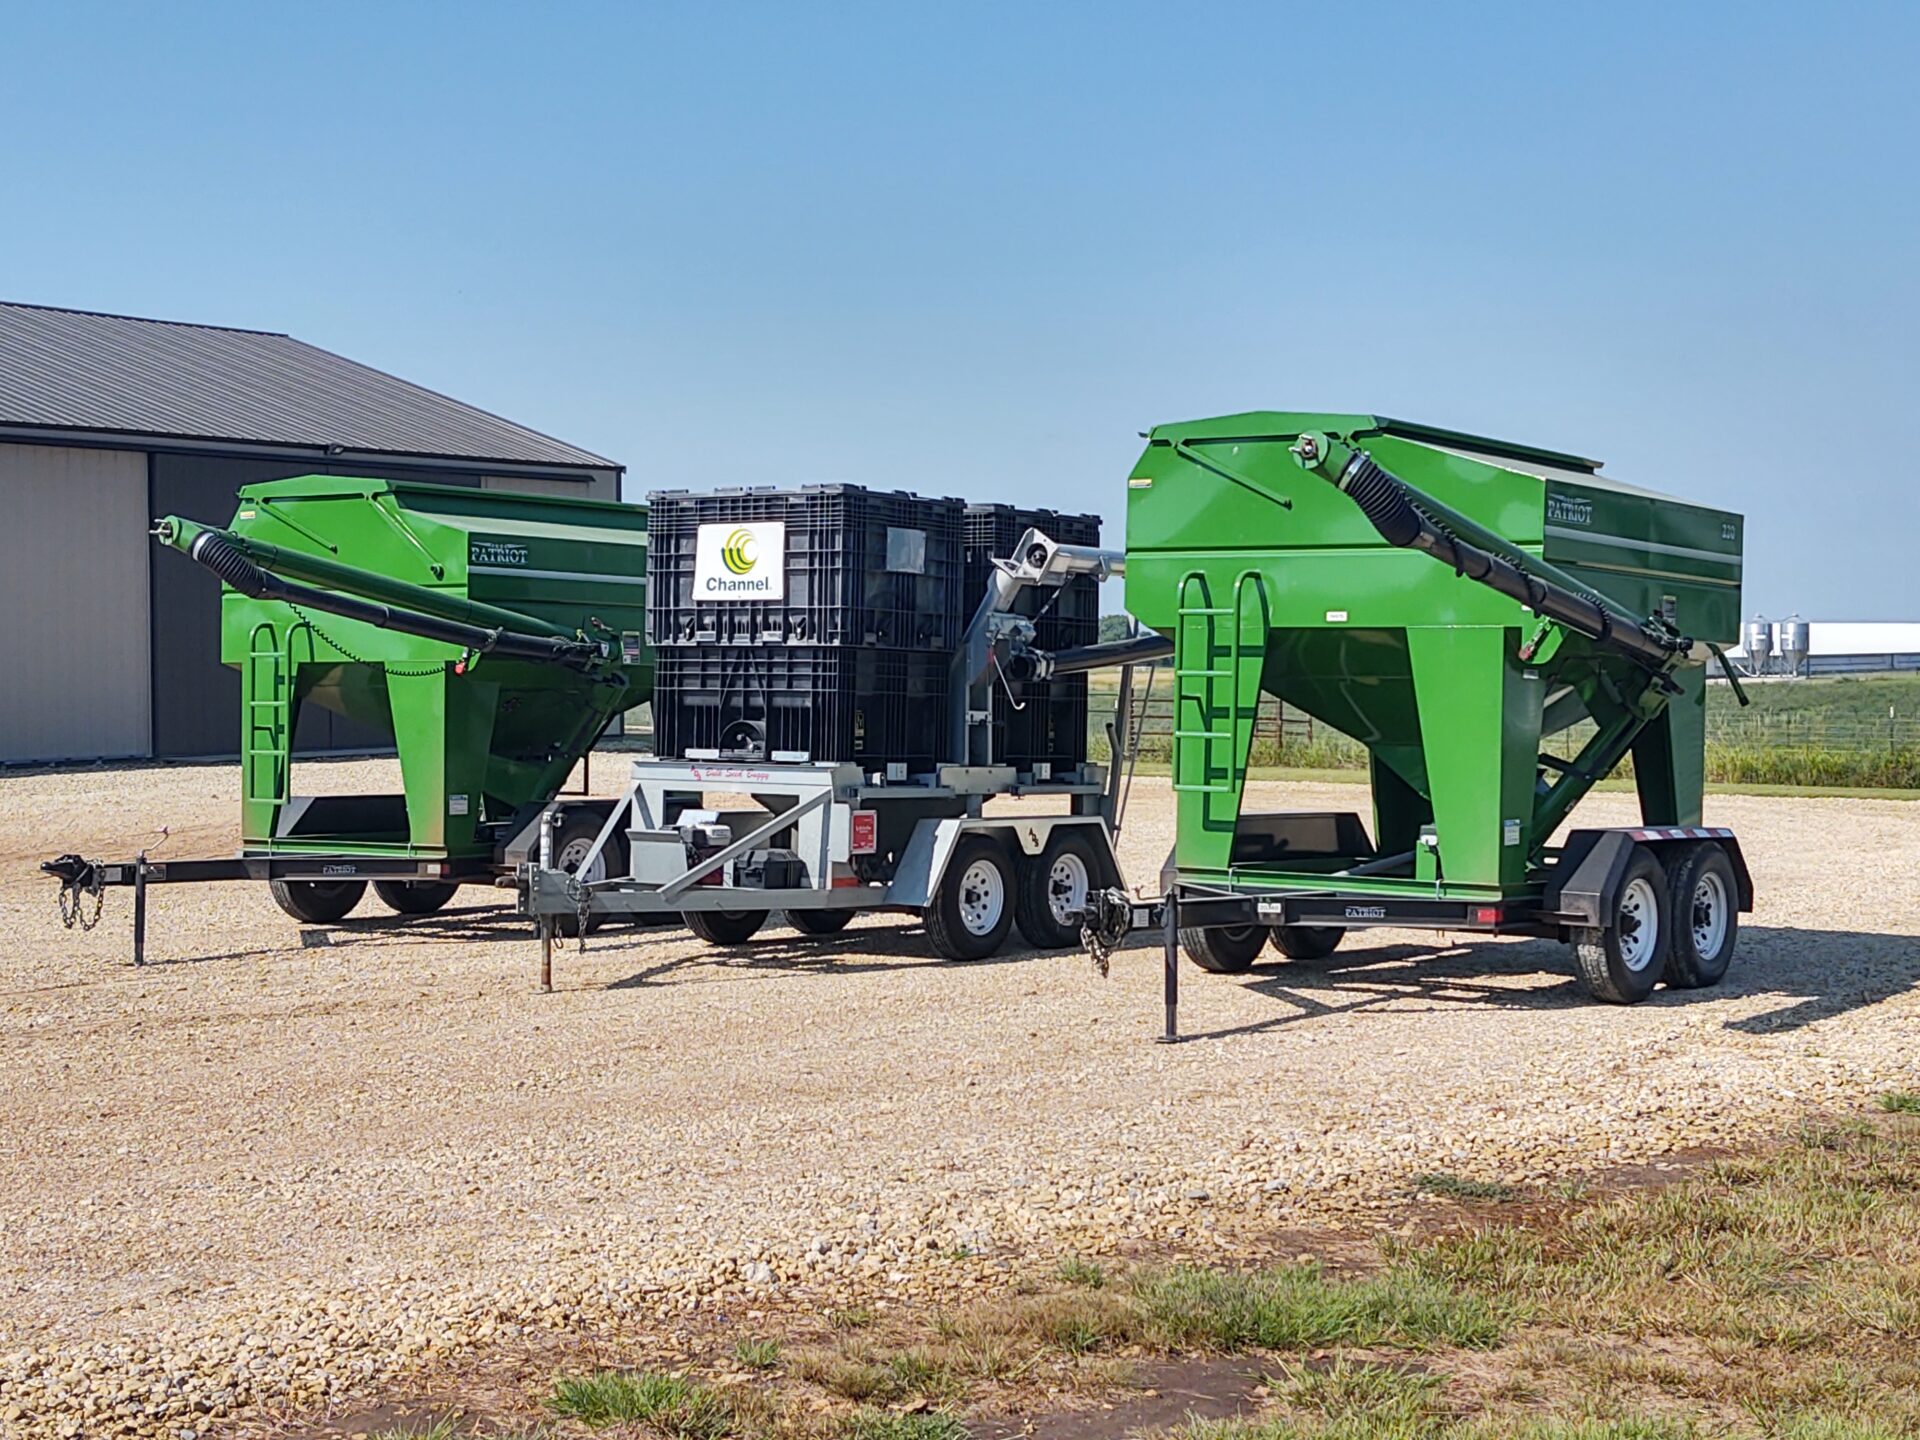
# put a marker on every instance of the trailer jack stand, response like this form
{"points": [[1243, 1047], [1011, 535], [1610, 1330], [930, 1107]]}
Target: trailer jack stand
{"points": [[140, 908], [1170, 979], [546, 958]]}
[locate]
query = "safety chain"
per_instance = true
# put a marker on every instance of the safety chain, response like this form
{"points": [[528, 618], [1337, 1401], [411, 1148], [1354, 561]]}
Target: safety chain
{"points": [[1103, 929], [73, 894], [577, 892], [403, 671]]}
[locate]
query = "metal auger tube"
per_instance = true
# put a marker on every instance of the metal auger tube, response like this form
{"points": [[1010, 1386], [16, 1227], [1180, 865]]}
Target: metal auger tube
{"points": [[181, 534], [1394, 509], [211, 549]]}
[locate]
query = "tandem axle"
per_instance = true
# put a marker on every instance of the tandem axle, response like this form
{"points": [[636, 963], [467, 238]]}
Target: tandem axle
{"points": [[1640, 906]]}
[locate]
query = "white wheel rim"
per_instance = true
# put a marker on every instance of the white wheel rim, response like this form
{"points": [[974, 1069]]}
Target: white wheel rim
{"points": [[1708, 920], [1639, 924], [1067, 886], [983, 897], [573, 852]]}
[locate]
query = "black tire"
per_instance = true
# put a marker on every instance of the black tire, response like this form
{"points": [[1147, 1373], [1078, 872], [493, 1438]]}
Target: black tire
{"points": [[817, 922], [1704, 898], [317, 902], [724, 927], [1224, 950], [1307, 942], [1060, 877], [1620, 964], [972, 909], [577, 831], [414, 897]]}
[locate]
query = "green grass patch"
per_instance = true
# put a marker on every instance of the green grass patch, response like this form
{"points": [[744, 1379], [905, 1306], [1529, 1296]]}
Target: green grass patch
{"points": [[675, 1406], [1076, 1270], [1900, 1102], [756, 1354], [852, 1317], [1460, 1187], [1298, 1307]]}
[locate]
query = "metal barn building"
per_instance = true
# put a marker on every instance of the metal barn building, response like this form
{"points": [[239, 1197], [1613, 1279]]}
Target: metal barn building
{"points": [[111, 650]]}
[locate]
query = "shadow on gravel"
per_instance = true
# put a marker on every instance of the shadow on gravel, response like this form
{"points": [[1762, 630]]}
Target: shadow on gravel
{"points": [[1817, 973], [1821, 973], [852, 952], [1366, 979], [471, 924]]}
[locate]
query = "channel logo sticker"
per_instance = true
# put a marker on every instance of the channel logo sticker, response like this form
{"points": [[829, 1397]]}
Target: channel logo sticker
{"points": [[740, 562]]}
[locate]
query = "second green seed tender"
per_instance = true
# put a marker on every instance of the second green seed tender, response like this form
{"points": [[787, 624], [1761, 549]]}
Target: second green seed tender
{"points": [[1452, 602]]}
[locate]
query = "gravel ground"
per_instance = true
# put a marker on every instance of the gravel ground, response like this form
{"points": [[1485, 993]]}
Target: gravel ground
{"points": [[260, 1175]]}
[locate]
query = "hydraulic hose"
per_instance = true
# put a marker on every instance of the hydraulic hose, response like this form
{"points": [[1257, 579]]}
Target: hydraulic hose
{"points": [[1388, 504], [226, 561]]}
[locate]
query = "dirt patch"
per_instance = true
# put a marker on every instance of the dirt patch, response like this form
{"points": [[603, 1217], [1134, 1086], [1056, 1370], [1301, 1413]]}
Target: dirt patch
{"points": [[1169, 1394]]}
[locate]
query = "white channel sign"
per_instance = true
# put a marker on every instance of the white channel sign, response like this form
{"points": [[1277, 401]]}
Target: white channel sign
{"points": [[740, 562]]}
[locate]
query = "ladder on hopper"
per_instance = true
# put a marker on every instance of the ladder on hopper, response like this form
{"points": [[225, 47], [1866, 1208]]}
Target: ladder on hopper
{"points": [[1216, 694], [266, 738]]}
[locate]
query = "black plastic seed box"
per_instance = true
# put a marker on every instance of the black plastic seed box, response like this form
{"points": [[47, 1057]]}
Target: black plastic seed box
{"points": [[856, 567], [769, 703]]}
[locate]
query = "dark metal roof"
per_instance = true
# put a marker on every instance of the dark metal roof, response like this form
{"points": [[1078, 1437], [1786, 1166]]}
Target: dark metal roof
{"points": [[76, 370]]}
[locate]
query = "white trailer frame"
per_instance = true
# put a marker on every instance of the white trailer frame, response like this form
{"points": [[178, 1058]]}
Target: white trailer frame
{"points": [[811, 807]]}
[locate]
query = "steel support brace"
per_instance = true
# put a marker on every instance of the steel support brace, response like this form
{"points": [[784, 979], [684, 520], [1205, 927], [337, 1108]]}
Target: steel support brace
{"points": [[745, 843]]}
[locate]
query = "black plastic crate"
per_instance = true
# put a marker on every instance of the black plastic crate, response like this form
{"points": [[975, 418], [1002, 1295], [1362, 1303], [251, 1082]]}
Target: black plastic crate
{"points": [[1050, 726], [787, 702], [862, 567], [1063, 617]]}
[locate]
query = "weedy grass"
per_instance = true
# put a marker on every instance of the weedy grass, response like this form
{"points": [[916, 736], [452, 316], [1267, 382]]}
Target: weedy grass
{"points": [[756, 1354], [880, 1425], [1900, 1102], [1299, 1307], [1078, 1270], [442, 1429], [675, 1406], [1460, 1187]]}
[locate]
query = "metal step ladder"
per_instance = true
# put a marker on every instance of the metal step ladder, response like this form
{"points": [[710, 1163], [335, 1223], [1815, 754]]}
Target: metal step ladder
{"points": [[266, 740], [1203, 711]]}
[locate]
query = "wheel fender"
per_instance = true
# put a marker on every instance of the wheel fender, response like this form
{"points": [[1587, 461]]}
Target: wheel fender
{"points": [[923, 862], [1586, 883]]}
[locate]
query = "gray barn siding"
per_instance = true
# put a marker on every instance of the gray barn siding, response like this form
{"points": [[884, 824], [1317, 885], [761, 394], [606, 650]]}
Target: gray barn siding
{"points": [[73, 594]]}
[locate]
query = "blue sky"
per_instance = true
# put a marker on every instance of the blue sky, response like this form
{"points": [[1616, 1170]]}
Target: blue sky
{"points": [[974, 250]]}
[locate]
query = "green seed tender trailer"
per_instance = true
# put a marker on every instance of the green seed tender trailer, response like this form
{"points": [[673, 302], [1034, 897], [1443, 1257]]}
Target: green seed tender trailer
{"points": [[493, 636], [1451, 602]]}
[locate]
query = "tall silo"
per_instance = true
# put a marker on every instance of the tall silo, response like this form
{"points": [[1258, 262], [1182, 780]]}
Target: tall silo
{"points": [[1759, 645], [1795, 645]]}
